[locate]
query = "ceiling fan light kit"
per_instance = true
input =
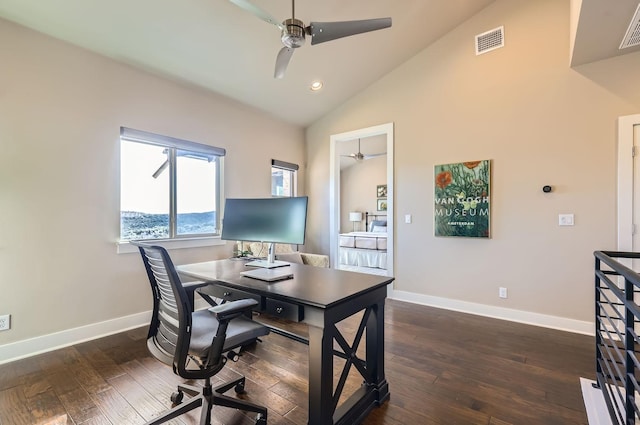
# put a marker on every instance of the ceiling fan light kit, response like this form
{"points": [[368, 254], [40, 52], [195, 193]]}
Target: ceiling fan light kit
{"points": [[293, 31]]}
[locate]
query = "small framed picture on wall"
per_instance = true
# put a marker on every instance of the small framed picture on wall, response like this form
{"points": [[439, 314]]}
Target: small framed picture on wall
{"points": [[381, 191], [382, 204]]}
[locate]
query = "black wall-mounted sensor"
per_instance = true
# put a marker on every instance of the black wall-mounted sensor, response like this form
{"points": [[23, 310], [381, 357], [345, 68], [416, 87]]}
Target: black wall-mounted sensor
{"points": [[547, 189]]}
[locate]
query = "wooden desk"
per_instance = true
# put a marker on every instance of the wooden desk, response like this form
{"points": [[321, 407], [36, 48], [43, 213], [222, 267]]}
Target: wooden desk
{"points": [[320, 297]]}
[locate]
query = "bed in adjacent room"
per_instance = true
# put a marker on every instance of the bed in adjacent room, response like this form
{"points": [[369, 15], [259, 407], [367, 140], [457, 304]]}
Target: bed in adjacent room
{"points": [[366, 249]]}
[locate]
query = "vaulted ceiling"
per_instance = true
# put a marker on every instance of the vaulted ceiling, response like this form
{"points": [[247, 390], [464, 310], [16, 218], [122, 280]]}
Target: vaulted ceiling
{"points": [[215, 45]]}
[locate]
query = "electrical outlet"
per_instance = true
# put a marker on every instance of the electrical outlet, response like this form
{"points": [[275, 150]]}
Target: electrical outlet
{"points": [[5, 322], [502, 292]]}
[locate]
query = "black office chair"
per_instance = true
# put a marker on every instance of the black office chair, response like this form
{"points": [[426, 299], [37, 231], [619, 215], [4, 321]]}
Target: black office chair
{"points": [[196, 343]]}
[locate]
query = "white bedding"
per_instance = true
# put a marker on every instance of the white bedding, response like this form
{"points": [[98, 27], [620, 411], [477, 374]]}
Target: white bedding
{"points": [[364, 249], [363, 257], [364, 240]]}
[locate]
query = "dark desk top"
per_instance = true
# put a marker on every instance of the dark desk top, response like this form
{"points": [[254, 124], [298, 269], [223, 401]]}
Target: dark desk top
{"points": [[316, 286]]}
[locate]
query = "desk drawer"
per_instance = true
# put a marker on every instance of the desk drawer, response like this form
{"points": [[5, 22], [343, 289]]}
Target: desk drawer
{"points": [[229, 294], [285, 310]]}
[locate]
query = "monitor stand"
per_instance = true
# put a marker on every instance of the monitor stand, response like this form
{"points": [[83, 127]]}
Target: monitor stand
{"points": [[270, 262]]}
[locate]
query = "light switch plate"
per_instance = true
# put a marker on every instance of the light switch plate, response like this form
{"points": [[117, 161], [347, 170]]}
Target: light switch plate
{"points": [[565, 219], [407, 218]]}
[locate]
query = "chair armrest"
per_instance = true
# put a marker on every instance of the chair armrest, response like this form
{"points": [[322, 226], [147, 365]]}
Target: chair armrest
{"points": [[192, 286], [231, 310]]}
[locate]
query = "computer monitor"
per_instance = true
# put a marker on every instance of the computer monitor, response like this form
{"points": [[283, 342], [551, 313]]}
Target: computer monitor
{"points": [[270, 220]]}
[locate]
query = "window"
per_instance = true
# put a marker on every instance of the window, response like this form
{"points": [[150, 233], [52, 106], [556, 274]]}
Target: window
{"points": [[169, 188], [283, 178]]}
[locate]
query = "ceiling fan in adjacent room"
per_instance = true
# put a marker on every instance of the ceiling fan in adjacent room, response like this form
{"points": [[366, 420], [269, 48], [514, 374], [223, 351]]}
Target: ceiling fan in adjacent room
{"points": [[294, 31], [359, 156]]}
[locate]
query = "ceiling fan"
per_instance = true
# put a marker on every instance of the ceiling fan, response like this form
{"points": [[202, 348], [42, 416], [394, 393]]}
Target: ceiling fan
{"points": [[294, 31], [359, 156]]}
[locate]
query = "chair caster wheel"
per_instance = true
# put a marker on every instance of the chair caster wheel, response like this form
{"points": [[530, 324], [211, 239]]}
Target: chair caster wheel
{"points": [[176, 398], [233, 356], [239, 388], [261, 419]]}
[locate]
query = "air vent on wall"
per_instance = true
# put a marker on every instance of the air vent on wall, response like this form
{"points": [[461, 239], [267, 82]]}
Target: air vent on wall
{"points": [[632, 37], [490, 40]]}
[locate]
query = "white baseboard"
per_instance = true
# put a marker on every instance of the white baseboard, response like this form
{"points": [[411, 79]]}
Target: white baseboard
{"points": [[41, 344], [526, 317]]}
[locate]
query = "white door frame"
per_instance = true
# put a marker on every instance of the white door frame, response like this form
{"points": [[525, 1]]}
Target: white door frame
{"points": [[334, 189], [626, 126]]}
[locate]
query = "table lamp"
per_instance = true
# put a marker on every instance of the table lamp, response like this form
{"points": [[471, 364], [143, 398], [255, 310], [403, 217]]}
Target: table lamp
{"points": [[355, 217]]}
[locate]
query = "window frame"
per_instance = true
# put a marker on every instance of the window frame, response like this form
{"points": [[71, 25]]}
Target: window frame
{"points": [[286, 166], [174, 145]]}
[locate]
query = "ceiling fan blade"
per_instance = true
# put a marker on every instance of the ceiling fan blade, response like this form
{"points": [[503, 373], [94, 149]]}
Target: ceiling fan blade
{"points": [[255, 10], [357, 156], [327, 31], [374, 155], [282, 61]]}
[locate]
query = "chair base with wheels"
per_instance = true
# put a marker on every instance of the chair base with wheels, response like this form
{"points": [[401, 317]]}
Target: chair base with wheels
{"points": [[207, 397]]}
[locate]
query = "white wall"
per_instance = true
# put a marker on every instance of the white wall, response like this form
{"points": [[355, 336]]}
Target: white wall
{"points": [[61, 109], [358, 185], [539, 121]]}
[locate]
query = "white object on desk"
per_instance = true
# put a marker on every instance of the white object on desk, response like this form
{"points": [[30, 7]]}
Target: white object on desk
{"points": [[269, 275]]}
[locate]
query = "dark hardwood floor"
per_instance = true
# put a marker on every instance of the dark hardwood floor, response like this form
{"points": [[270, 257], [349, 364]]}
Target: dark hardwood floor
{"points": [[443, 367]]}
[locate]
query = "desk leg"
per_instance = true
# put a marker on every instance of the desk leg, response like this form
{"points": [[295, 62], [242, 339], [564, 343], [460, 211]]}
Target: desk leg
{"points": [[375, 352], [375, 389], [323, 407], [320, 376]]}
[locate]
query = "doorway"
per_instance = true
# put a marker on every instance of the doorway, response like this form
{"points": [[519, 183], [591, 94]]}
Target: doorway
{"points": [[628, 183], [336, 220]]}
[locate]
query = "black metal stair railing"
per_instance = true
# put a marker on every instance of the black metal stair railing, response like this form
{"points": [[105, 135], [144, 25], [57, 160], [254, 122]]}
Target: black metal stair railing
{"points": [[617, 318]]}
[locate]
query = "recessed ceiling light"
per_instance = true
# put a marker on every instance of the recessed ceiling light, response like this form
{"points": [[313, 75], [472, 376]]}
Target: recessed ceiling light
{"points": [[316, 85]]}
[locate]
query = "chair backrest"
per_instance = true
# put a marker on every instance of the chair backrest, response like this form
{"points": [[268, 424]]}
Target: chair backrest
{"points": [[169, 334], [168, 338]]}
